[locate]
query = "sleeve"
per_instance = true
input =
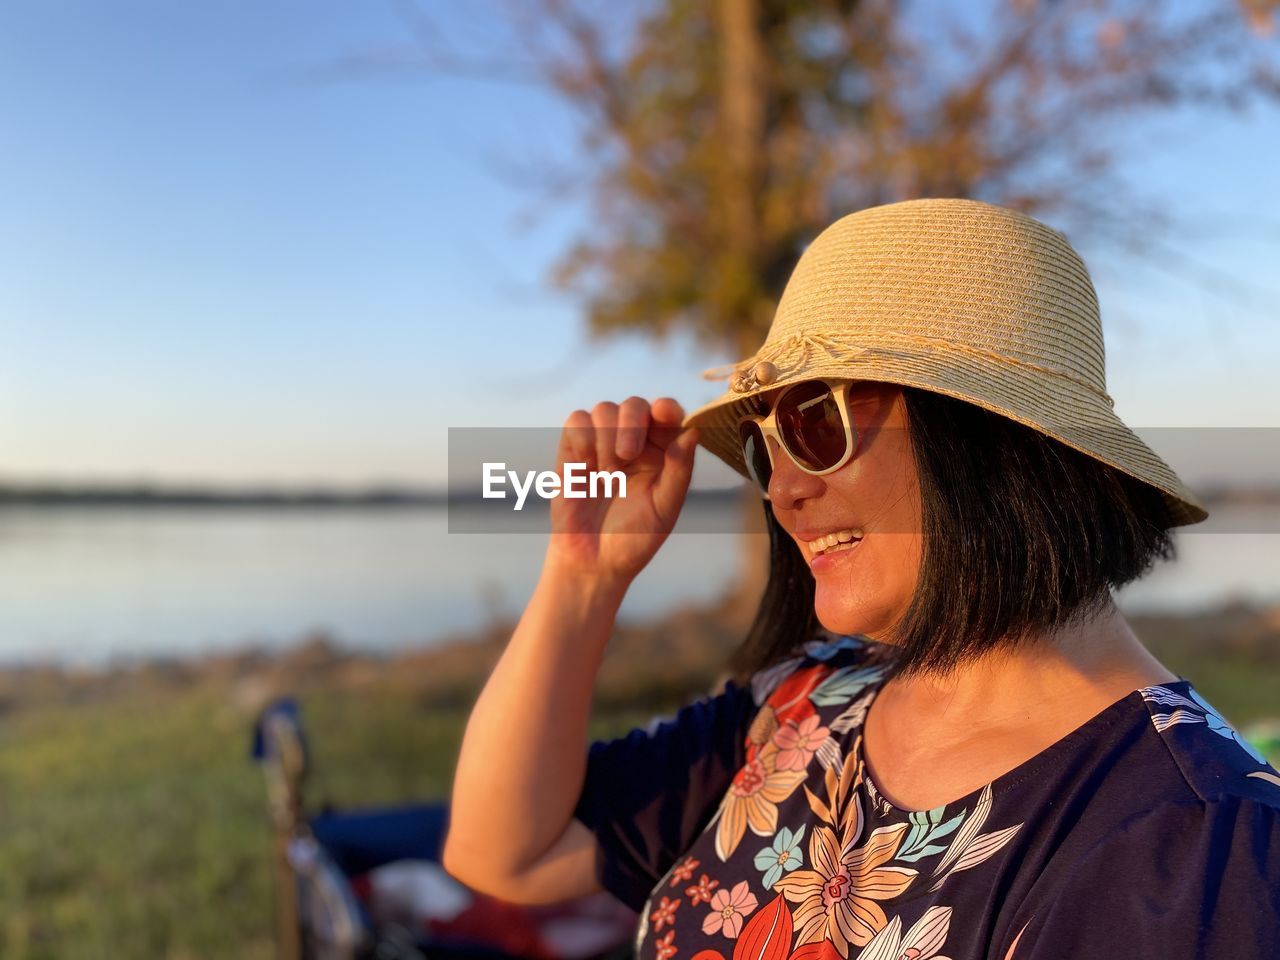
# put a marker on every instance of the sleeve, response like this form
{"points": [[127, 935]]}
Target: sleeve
{"points": [[1185, 880], [648, 795]]}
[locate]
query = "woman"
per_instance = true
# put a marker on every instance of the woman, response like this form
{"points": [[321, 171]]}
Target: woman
{"points": [[950, 742]]}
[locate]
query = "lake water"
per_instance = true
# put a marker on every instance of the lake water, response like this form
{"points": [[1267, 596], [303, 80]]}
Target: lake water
{"points": [[86, 584]]}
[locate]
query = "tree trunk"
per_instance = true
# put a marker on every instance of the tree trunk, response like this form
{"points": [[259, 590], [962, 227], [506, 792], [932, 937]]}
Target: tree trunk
{"points": [[743, 98], [742, 115]]}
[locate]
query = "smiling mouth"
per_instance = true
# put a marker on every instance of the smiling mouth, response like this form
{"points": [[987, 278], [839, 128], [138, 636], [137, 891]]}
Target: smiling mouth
{"points": [[833, 542]]}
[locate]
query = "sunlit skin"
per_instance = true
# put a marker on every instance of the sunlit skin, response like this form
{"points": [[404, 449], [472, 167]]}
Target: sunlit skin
{"points": [[864, 590]]}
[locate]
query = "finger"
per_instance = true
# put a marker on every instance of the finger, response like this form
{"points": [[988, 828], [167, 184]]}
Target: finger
{"points": [[633, 427], [577, 441], [604, 418], [667, 411], [677, 469], [667, 416]]}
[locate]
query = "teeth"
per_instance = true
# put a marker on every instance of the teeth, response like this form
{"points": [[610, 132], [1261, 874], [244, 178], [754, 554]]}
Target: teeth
{"points": [[828, 541]]}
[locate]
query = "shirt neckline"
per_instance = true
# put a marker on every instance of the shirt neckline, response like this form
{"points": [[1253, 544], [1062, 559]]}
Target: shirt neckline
{"points": [[1107, 717]]}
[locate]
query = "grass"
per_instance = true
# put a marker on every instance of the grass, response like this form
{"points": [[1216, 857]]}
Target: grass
{"points": [[136, 827], [133, 829], [133, 825]]}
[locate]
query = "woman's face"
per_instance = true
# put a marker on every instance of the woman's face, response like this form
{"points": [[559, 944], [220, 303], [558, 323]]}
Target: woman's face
{"points": [[862, 587]]}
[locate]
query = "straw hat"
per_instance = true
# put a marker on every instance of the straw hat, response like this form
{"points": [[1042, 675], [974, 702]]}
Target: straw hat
{"points": [[955, 296]]}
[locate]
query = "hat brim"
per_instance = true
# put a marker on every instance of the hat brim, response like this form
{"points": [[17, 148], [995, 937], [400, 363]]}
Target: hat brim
{"points": [[1063, 409]]}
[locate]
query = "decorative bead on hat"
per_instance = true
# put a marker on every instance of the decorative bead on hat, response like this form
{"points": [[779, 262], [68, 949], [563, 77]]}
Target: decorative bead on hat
{"points": [[761, 375]]}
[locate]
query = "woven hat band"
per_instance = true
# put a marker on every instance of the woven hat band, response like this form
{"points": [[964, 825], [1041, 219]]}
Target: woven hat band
{"points": [[800, 351]]}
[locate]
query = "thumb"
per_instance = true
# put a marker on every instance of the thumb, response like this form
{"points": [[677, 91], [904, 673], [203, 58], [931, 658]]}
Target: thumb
{"points": [[680, 452], [677, 468]]}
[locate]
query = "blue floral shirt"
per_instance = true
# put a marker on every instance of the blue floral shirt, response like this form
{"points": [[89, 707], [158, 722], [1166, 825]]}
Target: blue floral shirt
{"points": [[747, 826]]}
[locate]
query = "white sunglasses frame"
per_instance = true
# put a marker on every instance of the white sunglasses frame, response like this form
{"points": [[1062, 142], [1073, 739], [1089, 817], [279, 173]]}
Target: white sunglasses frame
{"points": [[767, 424]]}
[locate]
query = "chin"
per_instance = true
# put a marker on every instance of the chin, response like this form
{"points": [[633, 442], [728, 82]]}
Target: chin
{"points": [[852, 623], [848, 615]]}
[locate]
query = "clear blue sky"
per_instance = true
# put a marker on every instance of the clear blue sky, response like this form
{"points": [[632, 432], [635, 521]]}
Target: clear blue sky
{"points": [[214, 267]]}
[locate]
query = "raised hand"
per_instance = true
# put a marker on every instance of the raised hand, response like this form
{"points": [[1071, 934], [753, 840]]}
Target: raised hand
{"points": [[614, 537]]}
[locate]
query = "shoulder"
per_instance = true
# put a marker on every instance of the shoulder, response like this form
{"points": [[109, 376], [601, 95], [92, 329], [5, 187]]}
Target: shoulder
{"points": [[1189, 864], [1216, 763], [1214, 808]]}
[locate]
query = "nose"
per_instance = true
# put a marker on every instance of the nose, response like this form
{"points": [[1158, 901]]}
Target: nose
{"points": [[790, 486]]}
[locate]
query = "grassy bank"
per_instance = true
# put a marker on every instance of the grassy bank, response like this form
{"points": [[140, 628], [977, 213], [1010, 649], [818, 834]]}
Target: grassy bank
{"points": [[133, 824]]}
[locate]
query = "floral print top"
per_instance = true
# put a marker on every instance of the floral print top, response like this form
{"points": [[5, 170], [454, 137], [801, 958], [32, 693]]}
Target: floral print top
{"points": [[746, 826]]}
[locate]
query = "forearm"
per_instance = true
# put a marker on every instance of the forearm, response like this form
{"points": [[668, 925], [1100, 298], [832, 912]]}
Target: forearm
{"points": [[523, 755]]}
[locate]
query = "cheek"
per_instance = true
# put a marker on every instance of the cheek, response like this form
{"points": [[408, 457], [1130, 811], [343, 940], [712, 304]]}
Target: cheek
{"points": [[871, 591], [903, 566]]}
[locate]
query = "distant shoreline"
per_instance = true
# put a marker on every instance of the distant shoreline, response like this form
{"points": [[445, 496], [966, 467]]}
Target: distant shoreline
{"points": [[146, 496], [157, 497]]}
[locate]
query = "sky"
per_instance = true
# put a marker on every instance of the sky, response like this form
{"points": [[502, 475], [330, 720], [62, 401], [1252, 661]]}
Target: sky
{"points": [[221, 263]]}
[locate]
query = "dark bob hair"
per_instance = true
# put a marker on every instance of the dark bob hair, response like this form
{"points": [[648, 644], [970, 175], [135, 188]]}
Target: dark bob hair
{"points": [[1021, 534]]}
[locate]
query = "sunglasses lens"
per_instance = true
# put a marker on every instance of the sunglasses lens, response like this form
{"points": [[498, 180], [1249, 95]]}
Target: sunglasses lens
{"points": [[755, 454], [810, 424]]}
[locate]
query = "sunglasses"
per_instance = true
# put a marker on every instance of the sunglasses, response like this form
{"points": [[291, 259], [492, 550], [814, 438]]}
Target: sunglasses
{"points": [[811, 422]]}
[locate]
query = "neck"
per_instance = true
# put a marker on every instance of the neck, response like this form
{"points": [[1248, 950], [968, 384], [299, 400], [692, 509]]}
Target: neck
{"points": [[1093, 662]]}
